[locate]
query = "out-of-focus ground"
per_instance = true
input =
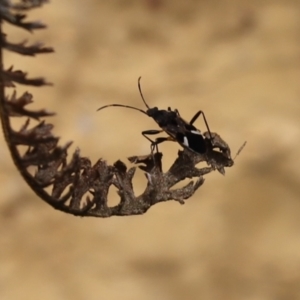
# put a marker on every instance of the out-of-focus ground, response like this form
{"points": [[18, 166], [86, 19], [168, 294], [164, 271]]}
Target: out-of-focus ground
{"points": [[239, 236]]}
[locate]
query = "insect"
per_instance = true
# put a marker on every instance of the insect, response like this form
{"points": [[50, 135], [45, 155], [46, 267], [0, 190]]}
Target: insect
{"points": [[170, 122]]}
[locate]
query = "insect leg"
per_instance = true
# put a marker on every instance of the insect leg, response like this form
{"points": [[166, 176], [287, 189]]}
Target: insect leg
{"points": [[160, 140], [153, 143], [196, 116], [156, 141]]}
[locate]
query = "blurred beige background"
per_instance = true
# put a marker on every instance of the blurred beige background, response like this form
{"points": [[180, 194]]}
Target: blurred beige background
{"points": [[239, 236]]}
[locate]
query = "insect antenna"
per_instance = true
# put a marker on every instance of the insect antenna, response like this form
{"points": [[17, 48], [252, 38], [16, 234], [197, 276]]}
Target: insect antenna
{"points": [[141, 93], [121, 105], [240, 150]]}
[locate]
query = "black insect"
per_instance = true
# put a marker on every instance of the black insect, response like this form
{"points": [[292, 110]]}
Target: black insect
{"points": [[170, 121]]}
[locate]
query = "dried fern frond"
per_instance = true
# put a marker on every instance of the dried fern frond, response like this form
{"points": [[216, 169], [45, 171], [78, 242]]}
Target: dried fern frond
{"points": [[71, 180]]}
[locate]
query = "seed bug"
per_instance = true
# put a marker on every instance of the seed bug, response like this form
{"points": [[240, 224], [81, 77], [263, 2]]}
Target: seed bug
{"points": [[170, 122]]}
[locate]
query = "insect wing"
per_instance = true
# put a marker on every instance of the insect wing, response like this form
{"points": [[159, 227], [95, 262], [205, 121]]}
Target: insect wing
{"points": [[187, 135], [194, 141]]}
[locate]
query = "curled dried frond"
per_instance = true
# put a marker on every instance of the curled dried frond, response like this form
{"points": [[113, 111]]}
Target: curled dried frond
{"points": [[77, 186]]}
